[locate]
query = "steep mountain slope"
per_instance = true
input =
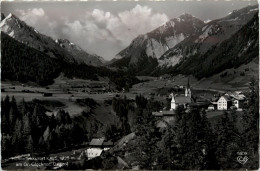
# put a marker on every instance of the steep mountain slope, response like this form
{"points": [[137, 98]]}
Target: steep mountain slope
{"points": [[240, 49], [212, 34], [62, 50], [79, 54], [20, 31], [23, 63], [155, 43]]}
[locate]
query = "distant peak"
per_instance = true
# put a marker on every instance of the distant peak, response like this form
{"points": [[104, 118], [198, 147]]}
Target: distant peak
{"points": [[11, 16], [186, 15]]}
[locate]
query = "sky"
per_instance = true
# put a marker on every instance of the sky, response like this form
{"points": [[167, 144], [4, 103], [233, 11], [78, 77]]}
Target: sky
{"points": [[105, 28]]}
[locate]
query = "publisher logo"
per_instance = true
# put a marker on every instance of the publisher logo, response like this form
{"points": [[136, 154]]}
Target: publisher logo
{"points": [[242, 157]]}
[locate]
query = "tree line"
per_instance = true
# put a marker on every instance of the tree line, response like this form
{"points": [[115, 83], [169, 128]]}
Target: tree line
{"points": [[23, 63], [27, 129]]}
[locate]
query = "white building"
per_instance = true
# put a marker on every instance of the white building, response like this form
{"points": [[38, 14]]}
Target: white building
{"points": [[236, 103], [239, 104], [97, 146], [94, 152], [224, 103], [211, 107]]}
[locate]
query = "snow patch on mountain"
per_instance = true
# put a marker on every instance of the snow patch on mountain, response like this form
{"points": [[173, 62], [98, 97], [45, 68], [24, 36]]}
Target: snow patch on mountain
{"points": [[207, 21]]}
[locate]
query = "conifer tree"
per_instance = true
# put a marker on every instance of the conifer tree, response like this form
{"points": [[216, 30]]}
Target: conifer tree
{"points": [[17, 141]]}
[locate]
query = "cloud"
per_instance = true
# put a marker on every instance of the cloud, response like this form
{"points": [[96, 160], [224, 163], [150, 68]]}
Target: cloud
{"points": [[37, 18], [97, 31], [32, 16]]}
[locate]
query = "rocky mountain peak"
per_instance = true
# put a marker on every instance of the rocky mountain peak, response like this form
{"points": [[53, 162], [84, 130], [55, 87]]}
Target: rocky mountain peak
{"points": [[185, 16]]}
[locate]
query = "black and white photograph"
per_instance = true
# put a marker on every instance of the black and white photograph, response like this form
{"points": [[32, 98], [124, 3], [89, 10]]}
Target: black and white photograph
{"points": [[130, 85]]}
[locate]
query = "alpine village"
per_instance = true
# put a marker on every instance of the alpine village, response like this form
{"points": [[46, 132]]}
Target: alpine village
{"points": [[191, 106]]}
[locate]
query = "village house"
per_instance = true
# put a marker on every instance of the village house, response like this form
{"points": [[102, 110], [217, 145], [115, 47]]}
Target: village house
{"points": [[97, 146], [166, 116], [211, 107], [239, 104], [224, 103]]}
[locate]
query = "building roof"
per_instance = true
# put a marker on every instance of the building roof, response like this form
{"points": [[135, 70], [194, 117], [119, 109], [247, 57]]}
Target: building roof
{"points": [[182, 99], [157, 113], [227, 98], [164, 113], [108, 143], [214, 99], [97, 142], [168, 112]]}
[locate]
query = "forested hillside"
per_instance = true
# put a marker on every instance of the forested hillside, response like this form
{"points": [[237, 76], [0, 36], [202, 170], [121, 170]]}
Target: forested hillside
{"points": [[23, 63], [27, 129]]}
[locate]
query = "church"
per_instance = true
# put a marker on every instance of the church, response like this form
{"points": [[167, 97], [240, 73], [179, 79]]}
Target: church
{"points": [[181, 99]]}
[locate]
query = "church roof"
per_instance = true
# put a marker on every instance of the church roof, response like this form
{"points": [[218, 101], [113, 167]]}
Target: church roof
{"points": [[182, 99]]}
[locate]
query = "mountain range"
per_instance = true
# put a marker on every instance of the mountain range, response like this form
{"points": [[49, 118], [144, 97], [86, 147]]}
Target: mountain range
{"points": [[183, 45], [166, 48], [211, 33]]}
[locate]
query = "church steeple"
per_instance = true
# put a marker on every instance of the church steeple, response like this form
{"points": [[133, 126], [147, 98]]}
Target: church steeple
{"points": [[187, 90]]}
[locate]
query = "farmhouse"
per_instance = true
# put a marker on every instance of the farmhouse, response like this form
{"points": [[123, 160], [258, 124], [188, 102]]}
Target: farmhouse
{"points": [[97, 146], [164, 117], [95, 149], [211, 107], [224, 103], [163, 113]]}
